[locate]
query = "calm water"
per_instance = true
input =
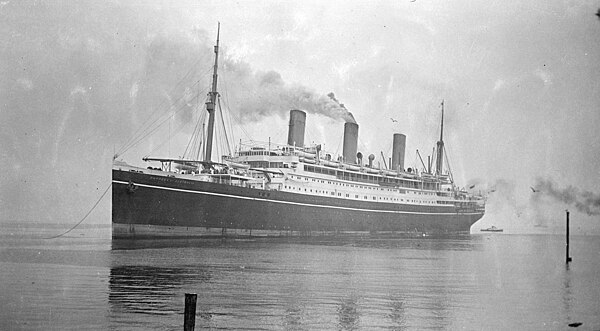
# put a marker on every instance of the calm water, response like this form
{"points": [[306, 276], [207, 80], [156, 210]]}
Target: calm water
{"points": [[492, 281]]}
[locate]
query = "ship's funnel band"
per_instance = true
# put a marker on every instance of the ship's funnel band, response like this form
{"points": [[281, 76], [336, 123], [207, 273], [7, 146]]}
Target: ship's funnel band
{"points": [[398, 148], [296, 130], [350, 142]]}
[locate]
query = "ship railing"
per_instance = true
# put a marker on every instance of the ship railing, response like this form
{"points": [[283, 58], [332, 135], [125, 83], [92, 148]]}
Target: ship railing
{"points": [[272, 148]]}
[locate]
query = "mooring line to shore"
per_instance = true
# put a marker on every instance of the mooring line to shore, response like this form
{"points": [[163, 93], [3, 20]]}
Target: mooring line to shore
{"points": [[84, 217]]}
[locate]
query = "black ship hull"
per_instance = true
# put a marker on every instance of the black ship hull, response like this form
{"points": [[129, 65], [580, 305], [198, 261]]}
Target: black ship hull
{"points": [[148, 205]]}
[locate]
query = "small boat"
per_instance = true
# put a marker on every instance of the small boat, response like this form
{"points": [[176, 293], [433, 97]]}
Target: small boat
{"points": [[492, 229]]}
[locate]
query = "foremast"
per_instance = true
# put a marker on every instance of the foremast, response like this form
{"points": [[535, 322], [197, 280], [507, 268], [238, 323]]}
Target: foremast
{"points": [[211, 103]]}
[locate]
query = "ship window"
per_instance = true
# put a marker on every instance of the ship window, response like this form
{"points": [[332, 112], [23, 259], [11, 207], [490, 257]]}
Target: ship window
{"points": [[356, 196]]}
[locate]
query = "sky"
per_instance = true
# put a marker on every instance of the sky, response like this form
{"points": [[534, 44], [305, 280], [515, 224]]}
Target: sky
{"points": [[81, 81]]}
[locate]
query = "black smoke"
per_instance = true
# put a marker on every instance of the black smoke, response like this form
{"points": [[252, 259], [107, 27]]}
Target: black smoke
{"points": [[261, 94], [584, 201]]}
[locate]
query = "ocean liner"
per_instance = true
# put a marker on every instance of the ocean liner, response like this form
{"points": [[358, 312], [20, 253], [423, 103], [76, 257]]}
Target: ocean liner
{"points": [[292, 189]]}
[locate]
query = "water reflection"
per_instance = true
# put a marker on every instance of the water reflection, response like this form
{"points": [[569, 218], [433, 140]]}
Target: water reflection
{"points": [[129, 244], [567, 293], [293, 317], [297, 283], [148, 289], [446, 242], [397, 311], [295, 306], [348, 313]]}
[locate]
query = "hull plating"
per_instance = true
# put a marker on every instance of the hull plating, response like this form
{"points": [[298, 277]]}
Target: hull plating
{"points": [[147, 205]]}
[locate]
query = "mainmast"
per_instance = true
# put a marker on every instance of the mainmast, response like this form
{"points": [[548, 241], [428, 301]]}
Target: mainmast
{"points": [[212, 100], [440, 147]]}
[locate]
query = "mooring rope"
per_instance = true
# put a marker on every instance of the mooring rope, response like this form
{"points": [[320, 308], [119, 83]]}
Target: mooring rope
{"points": [[84, 217]]}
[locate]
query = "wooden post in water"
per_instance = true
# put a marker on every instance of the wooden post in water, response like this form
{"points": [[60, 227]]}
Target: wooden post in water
{"points": [[568, 257], [189, 316]]}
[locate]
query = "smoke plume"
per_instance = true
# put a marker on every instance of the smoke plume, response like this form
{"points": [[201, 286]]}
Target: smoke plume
{"points": [[584, 201], [348, 117], [261, 94]]}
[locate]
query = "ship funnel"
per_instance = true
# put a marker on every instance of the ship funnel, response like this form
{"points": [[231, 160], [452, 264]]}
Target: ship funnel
{"points": [[398, 147], [296, 130], [350, 142]]}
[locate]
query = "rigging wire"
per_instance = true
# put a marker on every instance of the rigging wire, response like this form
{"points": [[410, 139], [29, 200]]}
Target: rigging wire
{"points": [[162, 102], [219, 145], [223, 122], [237, 119], [448, 165], [203, 75], [363, 145], [195, 142], [84, 217], [200, 143], [153, 126], [230, 126], [231, 113], [144, 130], [337, 150], [192, 143], [178, 129], [160, 105], [154, 129], [415, 164]]}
